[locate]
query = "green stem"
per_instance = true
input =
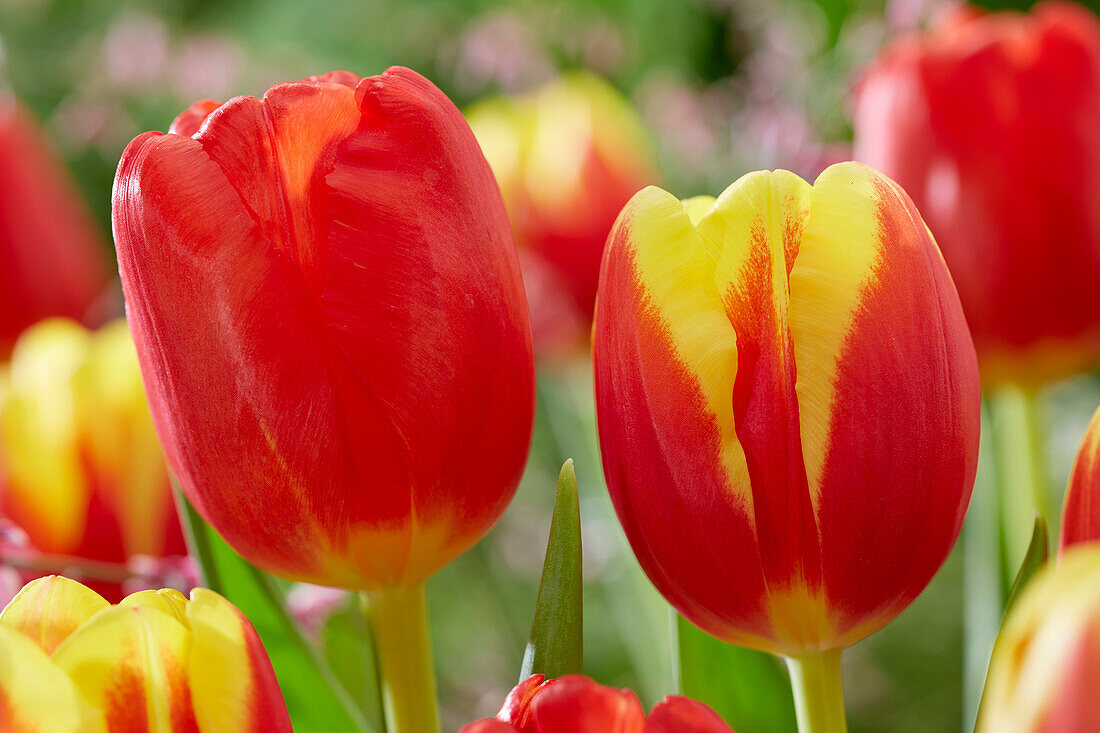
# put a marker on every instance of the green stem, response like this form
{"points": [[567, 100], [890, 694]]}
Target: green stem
{"points": [[398, 618], [1021, 472], [818, 691]]}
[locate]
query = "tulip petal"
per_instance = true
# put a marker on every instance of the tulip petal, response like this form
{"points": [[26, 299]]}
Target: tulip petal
{"points": [[869, 270], [35, 695], [1081, 512], [48, 609], [131, 663], [231, 679], [576, 704], [677, 714]]}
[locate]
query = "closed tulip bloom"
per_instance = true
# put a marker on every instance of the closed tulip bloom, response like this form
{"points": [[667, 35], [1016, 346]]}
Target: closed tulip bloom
{"points": [[568, 156], [576, 704], [1045, 664], [992, 123], [70, 661], [81, 471], [788, 404], [331, 324], [1081, 510], [51, 253]]}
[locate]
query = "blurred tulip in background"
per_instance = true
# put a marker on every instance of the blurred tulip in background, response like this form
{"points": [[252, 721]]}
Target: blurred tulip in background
{"points": [[72, 662], [576, 704], [81, 471], [51, 253], [991, 122], [567, 155], [1042, 677]]}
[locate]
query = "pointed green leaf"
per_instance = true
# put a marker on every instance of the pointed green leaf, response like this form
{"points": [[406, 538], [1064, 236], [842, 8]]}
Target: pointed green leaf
{"points": [[1038, 550], [314, 699], [554, 647], [749, 689]]}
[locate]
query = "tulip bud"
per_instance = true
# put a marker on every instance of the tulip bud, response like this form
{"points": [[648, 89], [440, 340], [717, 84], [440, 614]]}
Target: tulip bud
{"points": [[1043, 672], [567, 157], [992, 123], [576, 703], [331, 324], [788, 404], [1081, 510], [70, 661], [51, 261], [81, 471]]}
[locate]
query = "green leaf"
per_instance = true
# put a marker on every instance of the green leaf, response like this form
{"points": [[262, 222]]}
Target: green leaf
{"points": [[1038, 550], [555, 645], [345, 641], [749, 689], [314, 699]]}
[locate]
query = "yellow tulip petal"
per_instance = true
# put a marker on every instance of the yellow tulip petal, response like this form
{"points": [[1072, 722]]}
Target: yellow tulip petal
{"points": [[48, 610], [169, 600]]}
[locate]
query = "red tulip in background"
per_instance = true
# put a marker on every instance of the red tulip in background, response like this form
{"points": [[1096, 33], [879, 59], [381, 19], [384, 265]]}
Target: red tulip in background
{"points": [[1081, 510], [576, 704], [992, 124], [788, 404], [51, 261], [331, 325]]}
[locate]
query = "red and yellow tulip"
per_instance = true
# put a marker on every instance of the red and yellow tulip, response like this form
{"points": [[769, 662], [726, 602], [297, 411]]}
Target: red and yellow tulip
{"points": [[70, 661], [1043, 672], [1081, 510], [81, 471], [51, 254], [992, 123], [576, 704], [567, 156], [788, 404], [331, 325]]}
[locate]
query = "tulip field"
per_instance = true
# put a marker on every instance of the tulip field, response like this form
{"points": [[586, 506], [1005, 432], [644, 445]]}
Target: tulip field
{"points": [[594, 366]]}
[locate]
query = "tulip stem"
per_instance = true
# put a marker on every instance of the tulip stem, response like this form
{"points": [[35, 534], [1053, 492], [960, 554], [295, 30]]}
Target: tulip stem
{"points": [[1021, 472], [818, 691], [398, 619]]}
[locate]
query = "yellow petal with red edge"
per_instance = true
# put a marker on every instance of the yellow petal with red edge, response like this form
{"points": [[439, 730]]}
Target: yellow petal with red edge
{"points": [[232, 682], [48, 610], [169, 600], [131, 663], [35, 695], [47, 494], [1081, 510]]}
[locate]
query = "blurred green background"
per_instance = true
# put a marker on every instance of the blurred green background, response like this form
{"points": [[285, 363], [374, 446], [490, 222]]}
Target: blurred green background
{"points": [[725, 87]]}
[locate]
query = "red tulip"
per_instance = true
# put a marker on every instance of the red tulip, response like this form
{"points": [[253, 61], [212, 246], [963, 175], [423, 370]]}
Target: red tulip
{"points": [[1081, 510], [576, 704], [992, 124], [788, 404], [50, 251], [331, 324]]}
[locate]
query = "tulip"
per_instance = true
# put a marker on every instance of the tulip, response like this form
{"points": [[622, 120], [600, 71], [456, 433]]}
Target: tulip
{"points": [[51, 261], [788, 407], [1044, 667], [81, 471], [576, 704], [332, 329], [1081, 510], [568, 156], [70, 661], [992, 123]]}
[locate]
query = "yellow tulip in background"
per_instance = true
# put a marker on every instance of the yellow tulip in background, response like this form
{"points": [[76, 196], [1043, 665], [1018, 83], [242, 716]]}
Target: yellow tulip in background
{"points": [[70, 661]]}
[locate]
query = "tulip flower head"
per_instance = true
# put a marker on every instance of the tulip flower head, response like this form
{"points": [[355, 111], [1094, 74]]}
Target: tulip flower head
{"points": [[71, 662], [568, 156], [788, 404], [992, 123], [81, 470], [1081, 508], [1043, 672], [576, 704], [331, 325], [51, 253]]}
